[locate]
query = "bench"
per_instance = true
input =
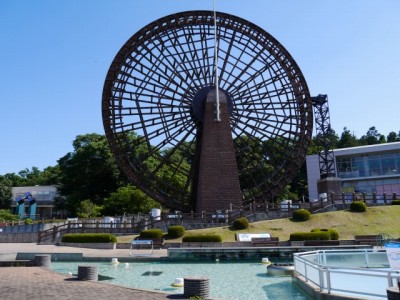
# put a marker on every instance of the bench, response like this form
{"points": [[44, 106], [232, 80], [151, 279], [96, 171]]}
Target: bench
{"points": [[158, 243], [322, 243], [271, 241], [368, 239]]}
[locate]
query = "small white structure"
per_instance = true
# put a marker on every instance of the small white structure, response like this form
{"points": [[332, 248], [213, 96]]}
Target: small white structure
{"points": [[155, 213], [280, 269], [141, 242], [178, 282], [285, 204], [265, 261], [246, 237], [323, 197], [107, 222]]}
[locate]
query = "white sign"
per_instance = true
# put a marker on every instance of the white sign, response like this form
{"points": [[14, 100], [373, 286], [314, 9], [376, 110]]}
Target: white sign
{"points": [[393, 254], [246, 237], [142, 242]]}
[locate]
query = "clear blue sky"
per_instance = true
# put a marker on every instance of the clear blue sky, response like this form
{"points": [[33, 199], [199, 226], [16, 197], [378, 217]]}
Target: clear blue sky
{"points": [[54, 56]]}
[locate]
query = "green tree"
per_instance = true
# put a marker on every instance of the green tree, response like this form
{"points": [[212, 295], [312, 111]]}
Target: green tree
{"points": [[50, 176], [393, 137], [128, 200], [87, 209], [347, 139], [30, 177], [15, 179], [27, 177], [6, 215], [255, 162], [314, 147], [5, 193], [60, 206], [372, 137], [89, 172], [286, 194], [299, 185]]}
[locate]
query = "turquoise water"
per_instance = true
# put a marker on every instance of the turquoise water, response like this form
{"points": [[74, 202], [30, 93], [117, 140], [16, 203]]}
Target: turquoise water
{"points": [[228, 280]]}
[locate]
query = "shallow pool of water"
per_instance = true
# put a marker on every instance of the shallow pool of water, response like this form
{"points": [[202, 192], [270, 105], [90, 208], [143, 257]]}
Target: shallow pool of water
{"points": [[228, 280]]}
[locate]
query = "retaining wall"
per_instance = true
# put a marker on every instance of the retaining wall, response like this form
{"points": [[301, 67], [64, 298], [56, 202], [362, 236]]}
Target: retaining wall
{"points": [[29, 237]]}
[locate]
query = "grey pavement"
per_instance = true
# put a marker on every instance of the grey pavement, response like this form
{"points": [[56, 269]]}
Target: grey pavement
{"points": [[30, 283], [7, 249]]}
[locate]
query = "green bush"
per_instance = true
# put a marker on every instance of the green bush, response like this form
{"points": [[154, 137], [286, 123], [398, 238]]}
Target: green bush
{"points": [[88, 238], [7, 216], [203, 238], [196, 298], [301, 215], [395, 202], [358, 206], [241, 223], [333, 233], [307, 236], [151, 234], [28, 221], [176, 231]]}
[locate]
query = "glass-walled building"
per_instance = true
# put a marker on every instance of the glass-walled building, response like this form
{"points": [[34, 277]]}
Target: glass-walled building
{"points": [[44, 200], [367, 169]]}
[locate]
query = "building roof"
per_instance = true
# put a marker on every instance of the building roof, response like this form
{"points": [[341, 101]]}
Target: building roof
{"points": [[368, 149], [36, 188]]}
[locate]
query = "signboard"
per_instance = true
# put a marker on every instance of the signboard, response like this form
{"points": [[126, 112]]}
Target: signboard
{"points": [[142, 242], [393, 254], [246, 237]]}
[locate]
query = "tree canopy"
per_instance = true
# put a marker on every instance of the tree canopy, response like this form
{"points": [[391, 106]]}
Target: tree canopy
{"points": [[5, 192], [90, 172], [127, 200]]}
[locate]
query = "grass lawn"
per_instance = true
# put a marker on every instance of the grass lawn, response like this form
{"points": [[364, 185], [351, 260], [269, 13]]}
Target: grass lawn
{"points": [[376, 220]]}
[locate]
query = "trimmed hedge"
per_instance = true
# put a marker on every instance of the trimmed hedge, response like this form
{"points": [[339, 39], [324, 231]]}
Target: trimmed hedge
{"points": [[310, 236], [204, 238], [88, 238], [152, 234], [176, 231], [241, 223], [358, 206], [395, 202], [333, 233], [301, 215]]}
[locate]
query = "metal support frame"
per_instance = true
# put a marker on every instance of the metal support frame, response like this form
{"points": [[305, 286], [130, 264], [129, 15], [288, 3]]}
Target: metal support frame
{"points": [[323, 130]]}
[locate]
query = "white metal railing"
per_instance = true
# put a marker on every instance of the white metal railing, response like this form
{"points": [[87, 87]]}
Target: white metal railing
{"points": [[348, 272]]}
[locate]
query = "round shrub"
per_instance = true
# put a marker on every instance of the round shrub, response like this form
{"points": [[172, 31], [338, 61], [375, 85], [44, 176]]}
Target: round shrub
{"points": [[333, 233], [301, 215], [151, 233], [395, 202], [28, 221], [203, 238], [310, 236], [241, 223], [358, 206], [176, 231]]}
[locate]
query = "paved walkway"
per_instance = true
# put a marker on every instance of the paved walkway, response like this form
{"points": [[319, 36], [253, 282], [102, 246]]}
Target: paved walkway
{"points": [[31, 283], [9, 249]]}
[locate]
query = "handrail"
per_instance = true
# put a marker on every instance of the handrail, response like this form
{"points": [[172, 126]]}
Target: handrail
{"points": [[325, 279]]}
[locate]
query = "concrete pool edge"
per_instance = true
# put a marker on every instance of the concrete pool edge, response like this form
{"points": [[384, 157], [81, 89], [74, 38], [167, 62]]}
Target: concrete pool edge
{"points": [[314, 292]]}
